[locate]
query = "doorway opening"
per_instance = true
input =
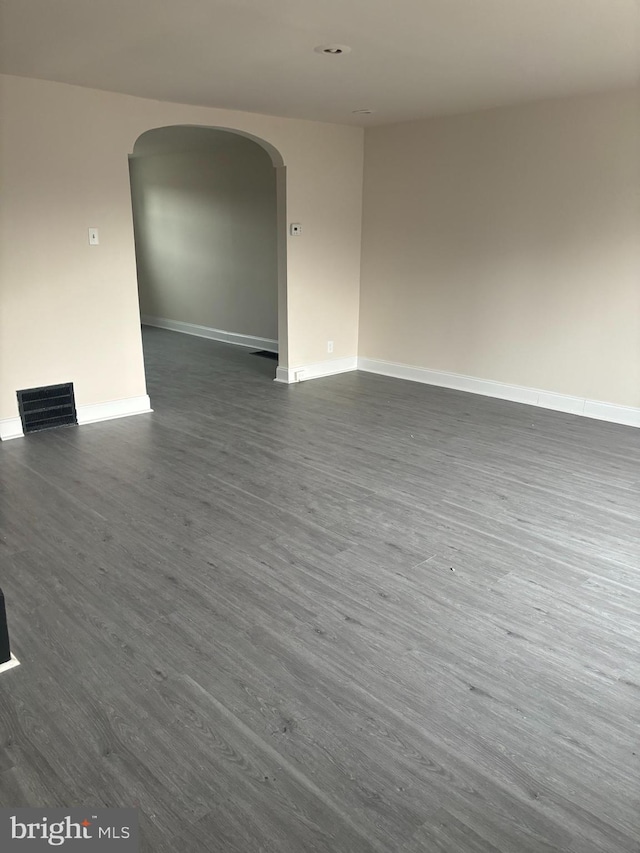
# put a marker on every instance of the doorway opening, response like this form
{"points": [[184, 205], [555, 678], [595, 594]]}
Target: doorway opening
{"points": [[209, 215]]}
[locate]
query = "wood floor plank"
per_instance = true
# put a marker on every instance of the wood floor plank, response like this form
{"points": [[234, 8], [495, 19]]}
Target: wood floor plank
{"points": [[354, 615]]}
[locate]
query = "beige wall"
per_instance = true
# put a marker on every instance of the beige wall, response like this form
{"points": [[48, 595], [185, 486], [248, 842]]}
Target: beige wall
{"points": [[505, 245], [204, 213], [70, 311], [502, 244]]}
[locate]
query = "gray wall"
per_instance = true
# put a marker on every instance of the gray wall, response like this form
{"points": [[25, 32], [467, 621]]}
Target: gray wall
{"points": [[204, 207]]}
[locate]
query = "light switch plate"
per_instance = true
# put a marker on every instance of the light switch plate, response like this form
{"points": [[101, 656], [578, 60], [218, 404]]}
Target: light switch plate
{"points": [[94, 240]]}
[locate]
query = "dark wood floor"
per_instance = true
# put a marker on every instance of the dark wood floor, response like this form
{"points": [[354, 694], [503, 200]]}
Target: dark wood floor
{"points": [[355, 614]]}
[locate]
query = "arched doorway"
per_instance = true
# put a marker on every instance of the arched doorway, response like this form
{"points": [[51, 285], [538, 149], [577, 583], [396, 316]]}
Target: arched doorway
{"points": [[209, 210]]}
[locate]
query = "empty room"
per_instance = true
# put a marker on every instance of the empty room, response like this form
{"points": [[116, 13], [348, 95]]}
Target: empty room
{"points": [[320, 410]]}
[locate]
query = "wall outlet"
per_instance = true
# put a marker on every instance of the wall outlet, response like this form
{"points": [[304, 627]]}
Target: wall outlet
{"points": [[329, 346], [298, 375]]}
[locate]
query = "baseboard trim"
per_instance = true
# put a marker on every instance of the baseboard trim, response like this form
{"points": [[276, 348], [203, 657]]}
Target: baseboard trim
{"points": [[90, 414], [212, 334], [112, 409], [11, 428], [282, 375], [10, 664], [626, 415], [290, 375]]}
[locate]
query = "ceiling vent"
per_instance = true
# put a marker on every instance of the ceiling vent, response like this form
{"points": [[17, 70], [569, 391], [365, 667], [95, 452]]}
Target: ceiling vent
{"points": [[48, 407]]}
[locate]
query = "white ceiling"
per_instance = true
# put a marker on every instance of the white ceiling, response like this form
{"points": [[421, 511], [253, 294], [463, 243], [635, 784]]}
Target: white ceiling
{"points": [[409, 59]]}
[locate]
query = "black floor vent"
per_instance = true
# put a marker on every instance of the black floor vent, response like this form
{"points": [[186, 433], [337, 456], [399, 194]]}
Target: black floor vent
{"points": [[46, 408]]}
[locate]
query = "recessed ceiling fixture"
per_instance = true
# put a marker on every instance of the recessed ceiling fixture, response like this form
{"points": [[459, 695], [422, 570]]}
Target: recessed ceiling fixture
{"points": [[333, 49], [365, 112]]}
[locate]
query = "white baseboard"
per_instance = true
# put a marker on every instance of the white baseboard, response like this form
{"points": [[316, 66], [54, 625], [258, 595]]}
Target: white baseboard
{"points": [[95, 412], [212, 334], [10, 664], [282, 375], [289, 375], [627, 415], [90, 414], [11, 428]]}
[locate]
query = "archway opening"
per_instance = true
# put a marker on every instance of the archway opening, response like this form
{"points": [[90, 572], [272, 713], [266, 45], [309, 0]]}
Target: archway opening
{"points": [[210, 235]]}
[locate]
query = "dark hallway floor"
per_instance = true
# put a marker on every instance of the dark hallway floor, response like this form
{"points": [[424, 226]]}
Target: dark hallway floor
{"points": [[355, 614]]}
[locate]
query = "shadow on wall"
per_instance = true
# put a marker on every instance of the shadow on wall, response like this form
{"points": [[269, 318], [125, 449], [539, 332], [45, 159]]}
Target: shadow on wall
{"points": [[205, 220]]}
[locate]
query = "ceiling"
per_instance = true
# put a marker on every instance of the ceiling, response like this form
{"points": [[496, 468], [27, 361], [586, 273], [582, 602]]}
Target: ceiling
{"points": [[408, 59]]}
